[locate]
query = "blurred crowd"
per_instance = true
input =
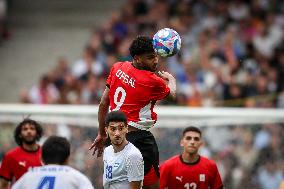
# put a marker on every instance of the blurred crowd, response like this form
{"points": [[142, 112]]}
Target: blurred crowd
{"points": [[247, 156], [4, 30], [232, 54]]}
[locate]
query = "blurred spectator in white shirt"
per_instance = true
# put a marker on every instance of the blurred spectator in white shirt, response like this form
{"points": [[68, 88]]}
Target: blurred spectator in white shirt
{"points": [[87, 64]]}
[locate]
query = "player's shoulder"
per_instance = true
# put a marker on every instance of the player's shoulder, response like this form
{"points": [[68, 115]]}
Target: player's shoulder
{"points": [[14, 152], [81, 179], [71, 170], [207, 161], [156, 79], [120, 64], [171, 161], [132, 151], [108, 149]]}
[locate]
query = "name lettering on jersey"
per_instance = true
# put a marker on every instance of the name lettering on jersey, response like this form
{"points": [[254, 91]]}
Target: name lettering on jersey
{"points": [[22, 163], [52, 169], [125, 78], [179, 178], [202, 177]]}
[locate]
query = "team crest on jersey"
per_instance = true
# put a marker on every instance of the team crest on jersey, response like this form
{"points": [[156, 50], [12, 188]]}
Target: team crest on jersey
{"points": [[116, 165], [202, 177]]}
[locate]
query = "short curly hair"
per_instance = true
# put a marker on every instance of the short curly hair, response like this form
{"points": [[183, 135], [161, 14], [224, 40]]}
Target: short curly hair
{"points": [[141, 45], [18, 130]]}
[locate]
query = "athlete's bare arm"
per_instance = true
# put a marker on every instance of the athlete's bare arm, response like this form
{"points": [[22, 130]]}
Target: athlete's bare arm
{"points": [[135, 184], [171, 82], [4, 183], [103, 110], [98, 144]]}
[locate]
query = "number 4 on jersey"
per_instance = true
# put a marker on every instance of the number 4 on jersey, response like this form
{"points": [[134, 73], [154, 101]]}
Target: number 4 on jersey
{"points": [[46, 183]]}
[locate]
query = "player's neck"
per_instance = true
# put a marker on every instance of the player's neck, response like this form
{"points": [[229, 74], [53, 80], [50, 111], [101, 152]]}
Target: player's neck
{"points": [[30, 147], [118, 148], [137, 65], [190, 158]]}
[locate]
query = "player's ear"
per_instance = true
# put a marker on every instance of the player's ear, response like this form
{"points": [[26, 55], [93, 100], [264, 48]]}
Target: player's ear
{"points": [[137, 58], [181, 143], [66, 162]]}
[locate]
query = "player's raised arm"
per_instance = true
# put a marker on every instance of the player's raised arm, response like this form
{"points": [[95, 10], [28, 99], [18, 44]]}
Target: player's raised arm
{"points": [[3, 183], [171, 82], [98, 144], [135, 184], [103, 110]]}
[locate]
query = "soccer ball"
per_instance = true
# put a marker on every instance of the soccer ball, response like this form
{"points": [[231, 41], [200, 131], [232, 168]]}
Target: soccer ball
{"points": [[166, 42]]}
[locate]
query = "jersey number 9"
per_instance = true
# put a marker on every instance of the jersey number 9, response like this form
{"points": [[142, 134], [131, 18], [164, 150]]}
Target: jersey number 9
{"points": [[119, 102]]}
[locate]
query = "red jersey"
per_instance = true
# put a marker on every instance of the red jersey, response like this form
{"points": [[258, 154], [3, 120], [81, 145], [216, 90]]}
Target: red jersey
{"points": [[176, 174], [17, 161], [135, 92]]}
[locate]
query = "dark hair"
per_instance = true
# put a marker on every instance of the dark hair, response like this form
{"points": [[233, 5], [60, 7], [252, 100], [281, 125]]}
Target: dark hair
{"points": [[55, 150], [18, 130], [141, 45], [192, 129], [116, 116]]}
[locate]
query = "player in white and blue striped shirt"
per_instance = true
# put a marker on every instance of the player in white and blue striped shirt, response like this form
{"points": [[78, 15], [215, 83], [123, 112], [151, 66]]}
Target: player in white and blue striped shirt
{"points": [[123, 162]]}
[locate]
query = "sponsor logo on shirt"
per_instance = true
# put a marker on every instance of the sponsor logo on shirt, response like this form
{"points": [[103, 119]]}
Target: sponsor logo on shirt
{"points": [[202, 177], [22, 163], [179, 178]]}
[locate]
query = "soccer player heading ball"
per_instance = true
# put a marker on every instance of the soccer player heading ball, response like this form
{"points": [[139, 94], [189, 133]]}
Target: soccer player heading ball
{"points": [[133, 87]]}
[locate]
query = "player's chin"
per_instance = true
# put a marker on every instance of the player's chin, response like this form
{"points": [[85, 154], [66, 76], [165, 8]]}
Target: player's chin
{"points": [[117, 141], [154, 68], [191, 149], [29, 139]]}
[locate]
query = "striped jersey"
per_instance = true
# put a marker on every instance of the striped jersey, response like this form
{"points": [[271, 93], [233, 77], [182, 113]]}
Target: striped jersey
{"points": [[122, 167], [135, 92]]}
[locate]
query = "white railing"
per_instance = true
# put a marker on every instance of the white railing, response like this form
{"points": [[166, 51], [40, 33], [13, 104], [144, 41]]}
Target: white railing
{"points": [[168, 116]]}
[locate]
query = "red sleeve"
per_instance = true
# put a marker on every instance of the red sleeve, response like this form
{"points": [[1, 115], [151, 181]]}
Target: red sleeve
{"points": [[109, 79], [6, 168], [160, 89], [217, 181], [164, 174]]}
